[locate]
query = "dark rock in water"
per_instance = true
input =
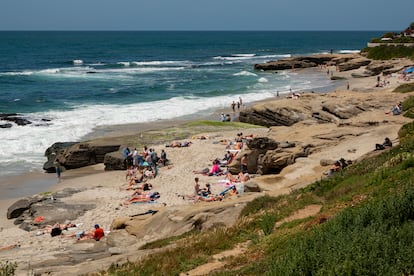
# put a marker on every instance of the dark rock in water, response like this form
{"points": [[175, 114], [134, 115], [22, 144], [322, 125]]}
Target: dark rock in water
{"points": [[114, 161], [8, 125], [15, 118], [295, 62]]}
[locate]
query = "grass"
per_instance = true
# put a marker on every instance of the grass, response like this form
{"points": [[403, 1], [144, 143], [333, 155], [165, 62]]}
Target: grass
{"points": [[231, 125], [405, 88], [7, 268], [384, 52], [365, 227]]}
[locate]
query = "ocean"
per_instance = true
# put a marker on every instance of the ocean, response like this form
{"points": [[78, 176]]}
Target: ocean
{"points": [[68, 83]]}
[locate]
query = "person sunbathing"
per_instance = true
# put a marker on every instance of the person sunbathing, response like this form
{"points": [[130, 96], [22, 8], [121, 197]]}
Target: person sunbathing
{"points": [[141, 187], [130, 173], [243, 177], [177, 144], [138, 177], [143, 197], [56, 229], [208, 198]]}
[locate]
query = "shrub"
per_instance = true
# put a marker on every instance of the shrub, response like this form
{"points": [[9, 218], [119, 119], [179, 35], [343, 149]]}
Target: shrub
{"points": [[267, 223], [7, 268], [405, 88], [388, 52]]}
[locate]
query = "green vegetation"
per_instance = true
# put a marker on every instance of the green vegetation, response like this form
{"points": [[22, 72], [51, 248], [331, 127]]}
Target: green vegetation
{"points": [[402, 39], [405, 88], [7, 268], [204, 123], [389, 52], [365, 227]]}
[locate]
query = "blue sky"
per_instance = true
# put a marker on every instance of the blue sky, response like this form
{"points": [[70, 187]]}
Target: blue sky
{"points": [[384, 15]]}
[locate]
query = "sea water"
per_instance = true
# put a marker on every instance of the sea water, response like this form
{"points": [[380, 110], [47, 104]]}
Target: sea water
{"points": [[68, 83]]}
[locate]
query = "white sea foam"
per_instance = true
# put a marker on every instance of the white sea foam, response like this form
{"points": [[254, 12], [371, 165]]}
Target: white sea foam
{"points": [[77, 62], [245, 73], [263, 80], [243, 55], [349, 51]]}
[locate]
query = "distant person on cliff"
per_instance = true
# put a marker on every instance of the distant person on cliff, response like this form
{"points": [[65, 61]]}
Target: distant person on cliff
{"points": [[386, 144]]}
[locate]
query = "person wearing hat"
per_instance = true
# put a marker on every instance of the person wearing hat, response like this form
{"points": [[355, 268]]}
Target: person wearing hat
{"points": [[98, 233]]}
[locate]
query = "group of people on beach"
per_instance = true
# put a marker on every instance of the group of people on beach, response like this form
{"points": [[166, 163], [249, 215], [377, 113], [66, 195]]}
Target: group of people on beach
{"points": [[238, 104], [218, 168], [148, 157], [65, 230]]}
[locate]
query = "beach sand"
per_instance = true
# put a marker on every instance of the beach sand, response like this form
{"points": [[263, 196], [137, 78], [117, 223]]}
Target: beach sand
{"points": [[107, 189]]}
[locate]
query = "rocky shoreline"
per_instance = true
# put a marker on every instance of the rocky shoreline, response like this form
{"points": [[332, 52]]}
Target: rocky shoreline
{"points": [[300, 138]]}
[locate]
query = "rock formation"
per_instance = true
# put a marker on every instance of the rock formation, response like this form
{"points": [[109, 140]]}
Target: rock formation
{"points": [[76, 155]]}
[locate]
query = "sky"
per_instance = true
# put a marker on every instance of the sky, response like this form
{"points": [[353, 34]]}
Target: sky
{"points": [[188, 15]]}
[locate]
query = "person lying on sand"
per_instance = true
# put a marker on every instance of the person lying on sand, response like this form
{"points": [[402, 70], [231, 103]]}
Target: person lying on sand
{"points": [[140, 187], [56, 229], [144, 197], [177, 144], [138, 177]]}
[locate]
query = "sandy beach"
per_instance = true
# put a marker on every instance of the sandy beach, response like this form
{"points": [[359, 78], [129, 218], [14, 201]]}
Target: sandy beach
{"points": [[350, 139]]}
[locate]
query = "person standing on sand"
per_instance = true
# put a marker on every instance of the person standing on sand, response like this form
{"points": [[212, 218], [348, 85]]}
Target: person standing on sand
{"points": [[233, 106], [58, 169]]}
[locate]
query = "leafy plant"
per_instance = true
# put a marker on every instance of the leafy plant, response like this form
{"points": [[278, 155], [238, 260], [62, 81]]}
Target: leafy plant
{"points": [[7, 268], [267, 223]]}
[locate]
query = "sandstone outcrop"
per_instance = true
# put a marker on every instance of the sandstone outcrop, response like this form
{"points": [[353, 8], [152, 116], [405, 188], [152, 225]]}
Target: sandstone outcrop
{"points": [[270, 115], [353, 64], [114, 161], [287, 112], [76, 155], [267, 156], [50, 208], [295, 62]]}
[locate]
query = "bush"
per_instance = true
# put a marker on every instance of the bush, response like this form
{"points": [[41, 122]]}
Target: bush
{"points": [[267, 223], [405, 88], [388, 52], [367, 240], [7, 268]]}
